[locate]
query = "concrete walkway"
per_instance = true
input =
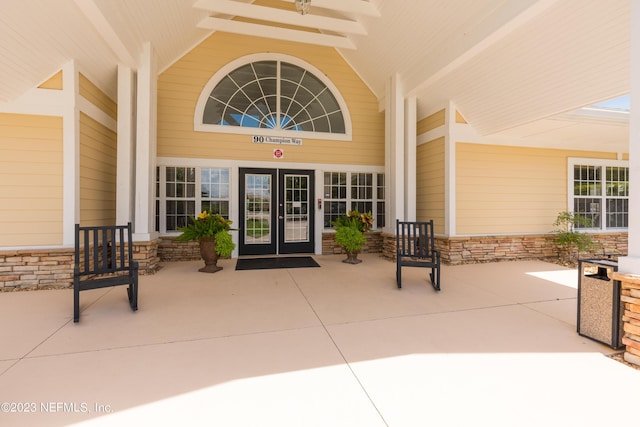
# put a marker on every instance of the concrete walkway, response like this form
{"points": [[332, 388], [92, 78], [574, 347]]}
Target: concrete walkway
{"points": [[338, 345]]}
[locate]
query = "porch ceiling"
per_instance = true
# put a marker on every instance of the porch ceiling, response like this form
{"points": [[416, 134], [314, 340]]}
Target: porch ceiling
{"points": [[503, 64]]}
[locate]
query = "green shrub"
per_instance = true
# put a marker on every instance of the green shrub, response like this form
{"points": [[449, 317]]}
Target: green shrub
{"points": [[355, 219], [210, 225], [224, 243], [567, 236], [204, 225], [350, 238]]}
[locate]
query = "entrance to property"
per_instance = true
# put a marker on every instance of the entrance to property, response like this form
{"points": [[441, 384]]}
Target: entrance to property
{"points": [[276, 211]]}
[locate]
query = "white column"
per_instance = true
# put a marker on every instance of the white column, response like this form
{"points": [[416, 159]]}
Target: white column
{"points": [[71, 153], [394, 159], [410, 153], [146, 146], [631, 263], [126, 146], [450, 170]]}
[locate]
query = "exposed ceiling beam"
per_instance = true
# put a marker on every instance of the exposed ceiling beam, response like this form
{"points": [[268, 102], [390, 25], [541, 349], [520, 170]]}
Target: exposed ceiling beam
{"points": [[271, 14], [106, 31], [351, 6], [268, 31]]}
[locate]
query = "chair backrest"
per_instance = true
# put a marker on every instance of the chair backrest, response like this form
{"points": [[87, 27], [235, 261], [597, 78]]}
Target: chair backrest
{"points": [[103, 249], [415, 239]]}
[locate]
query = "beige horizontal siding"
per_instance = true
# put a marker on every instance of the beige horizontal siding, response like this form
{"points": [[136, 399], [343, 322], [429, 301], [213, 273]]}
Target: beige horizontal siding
{"points": [[30, 180], [504, 190], [97, 97], [434, 121], [54, 82], [180, 86], [97, 173], [430, 184]]}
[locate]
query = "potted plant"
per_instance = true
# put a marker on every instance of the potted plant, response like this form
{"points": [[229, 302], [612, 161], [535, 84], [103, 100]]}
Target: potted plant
{"points": [[212, 233], [350, 229]]}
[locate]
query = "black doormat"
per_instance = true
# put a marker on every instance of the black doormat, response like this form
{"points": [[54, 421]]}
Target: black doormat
{"points": [[275, 262]]}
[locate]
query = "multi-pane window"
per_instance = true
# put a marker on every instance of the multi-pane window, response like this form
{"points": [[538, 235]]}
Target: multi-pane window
{"points": [[617, 209], [353, 190], [601, 194], [180, 192], [297, 206], [335, 196], [274, 95], [380, 193], [157, 211], [258, 194], [214, 191], [177, 200], [362, 192]]}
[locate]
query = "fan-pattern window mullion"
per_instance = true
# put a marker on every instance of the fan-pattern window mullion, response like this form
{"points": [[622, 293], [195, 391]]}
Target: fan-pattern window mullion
{"points": [[265, 95], [304, 113], [274, 95], [234, 104], [297, 84], [257, 108]]}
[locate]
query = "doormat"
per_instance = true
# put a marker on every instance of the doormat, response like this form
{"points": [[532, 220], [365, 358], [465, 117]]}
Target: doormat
{"points": [[275, 262]]}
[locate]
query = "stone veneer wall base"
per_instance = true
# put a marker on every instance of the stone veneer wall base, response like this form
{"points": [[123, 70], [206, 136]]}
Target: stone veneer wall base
{"points": [[372, 245], [476, 249], [630, 298], [146, 253], [46, 268], [171, 249], [38, 268]]}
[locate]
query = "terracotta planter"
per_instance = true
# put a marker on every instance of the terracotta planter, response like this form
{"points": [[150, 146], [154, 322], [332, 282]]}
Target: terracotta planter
{"points": [[352, 258], [209, 255]]}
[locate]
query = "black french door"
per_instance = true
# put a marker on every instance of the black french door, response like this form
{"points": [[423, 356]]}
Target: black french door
{"points": [[276, 211]]}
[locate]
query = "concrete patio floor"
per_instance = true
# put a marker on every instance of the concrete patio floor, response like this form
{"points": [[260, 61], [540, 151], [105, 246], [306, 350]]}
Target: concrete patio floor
{"points": [[338, 345]]}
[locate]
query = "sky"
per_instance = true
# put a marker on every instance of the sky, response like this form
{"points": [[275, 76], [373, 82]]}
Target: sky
{"points": [[620, 103]]}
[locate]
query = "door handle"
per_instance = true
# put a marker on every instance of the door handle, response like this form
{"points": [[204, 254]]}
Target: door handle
{"points": [[280, 217]]}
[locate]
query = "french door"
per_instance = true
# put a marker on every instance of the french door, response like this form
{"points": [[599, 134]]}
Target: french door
{"points": [[276, 211]]}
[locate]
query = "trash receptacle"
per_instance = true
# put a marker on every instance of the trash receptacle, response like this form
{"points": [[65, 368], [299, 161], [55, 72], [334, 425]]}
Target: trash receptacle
{"points": [[599, 306]]}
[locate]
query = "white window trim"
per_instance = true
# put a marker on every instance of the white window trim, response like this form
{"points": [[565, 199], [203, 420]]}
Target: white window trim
{"points": [[199, 126], [198, 194], [374, 199], [234, 165], [575, 161]]}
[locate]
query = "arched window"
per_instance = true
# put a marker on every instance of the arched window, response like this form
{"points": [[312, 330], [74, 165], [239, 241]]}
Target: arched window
{"points": [[272, 94]]}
